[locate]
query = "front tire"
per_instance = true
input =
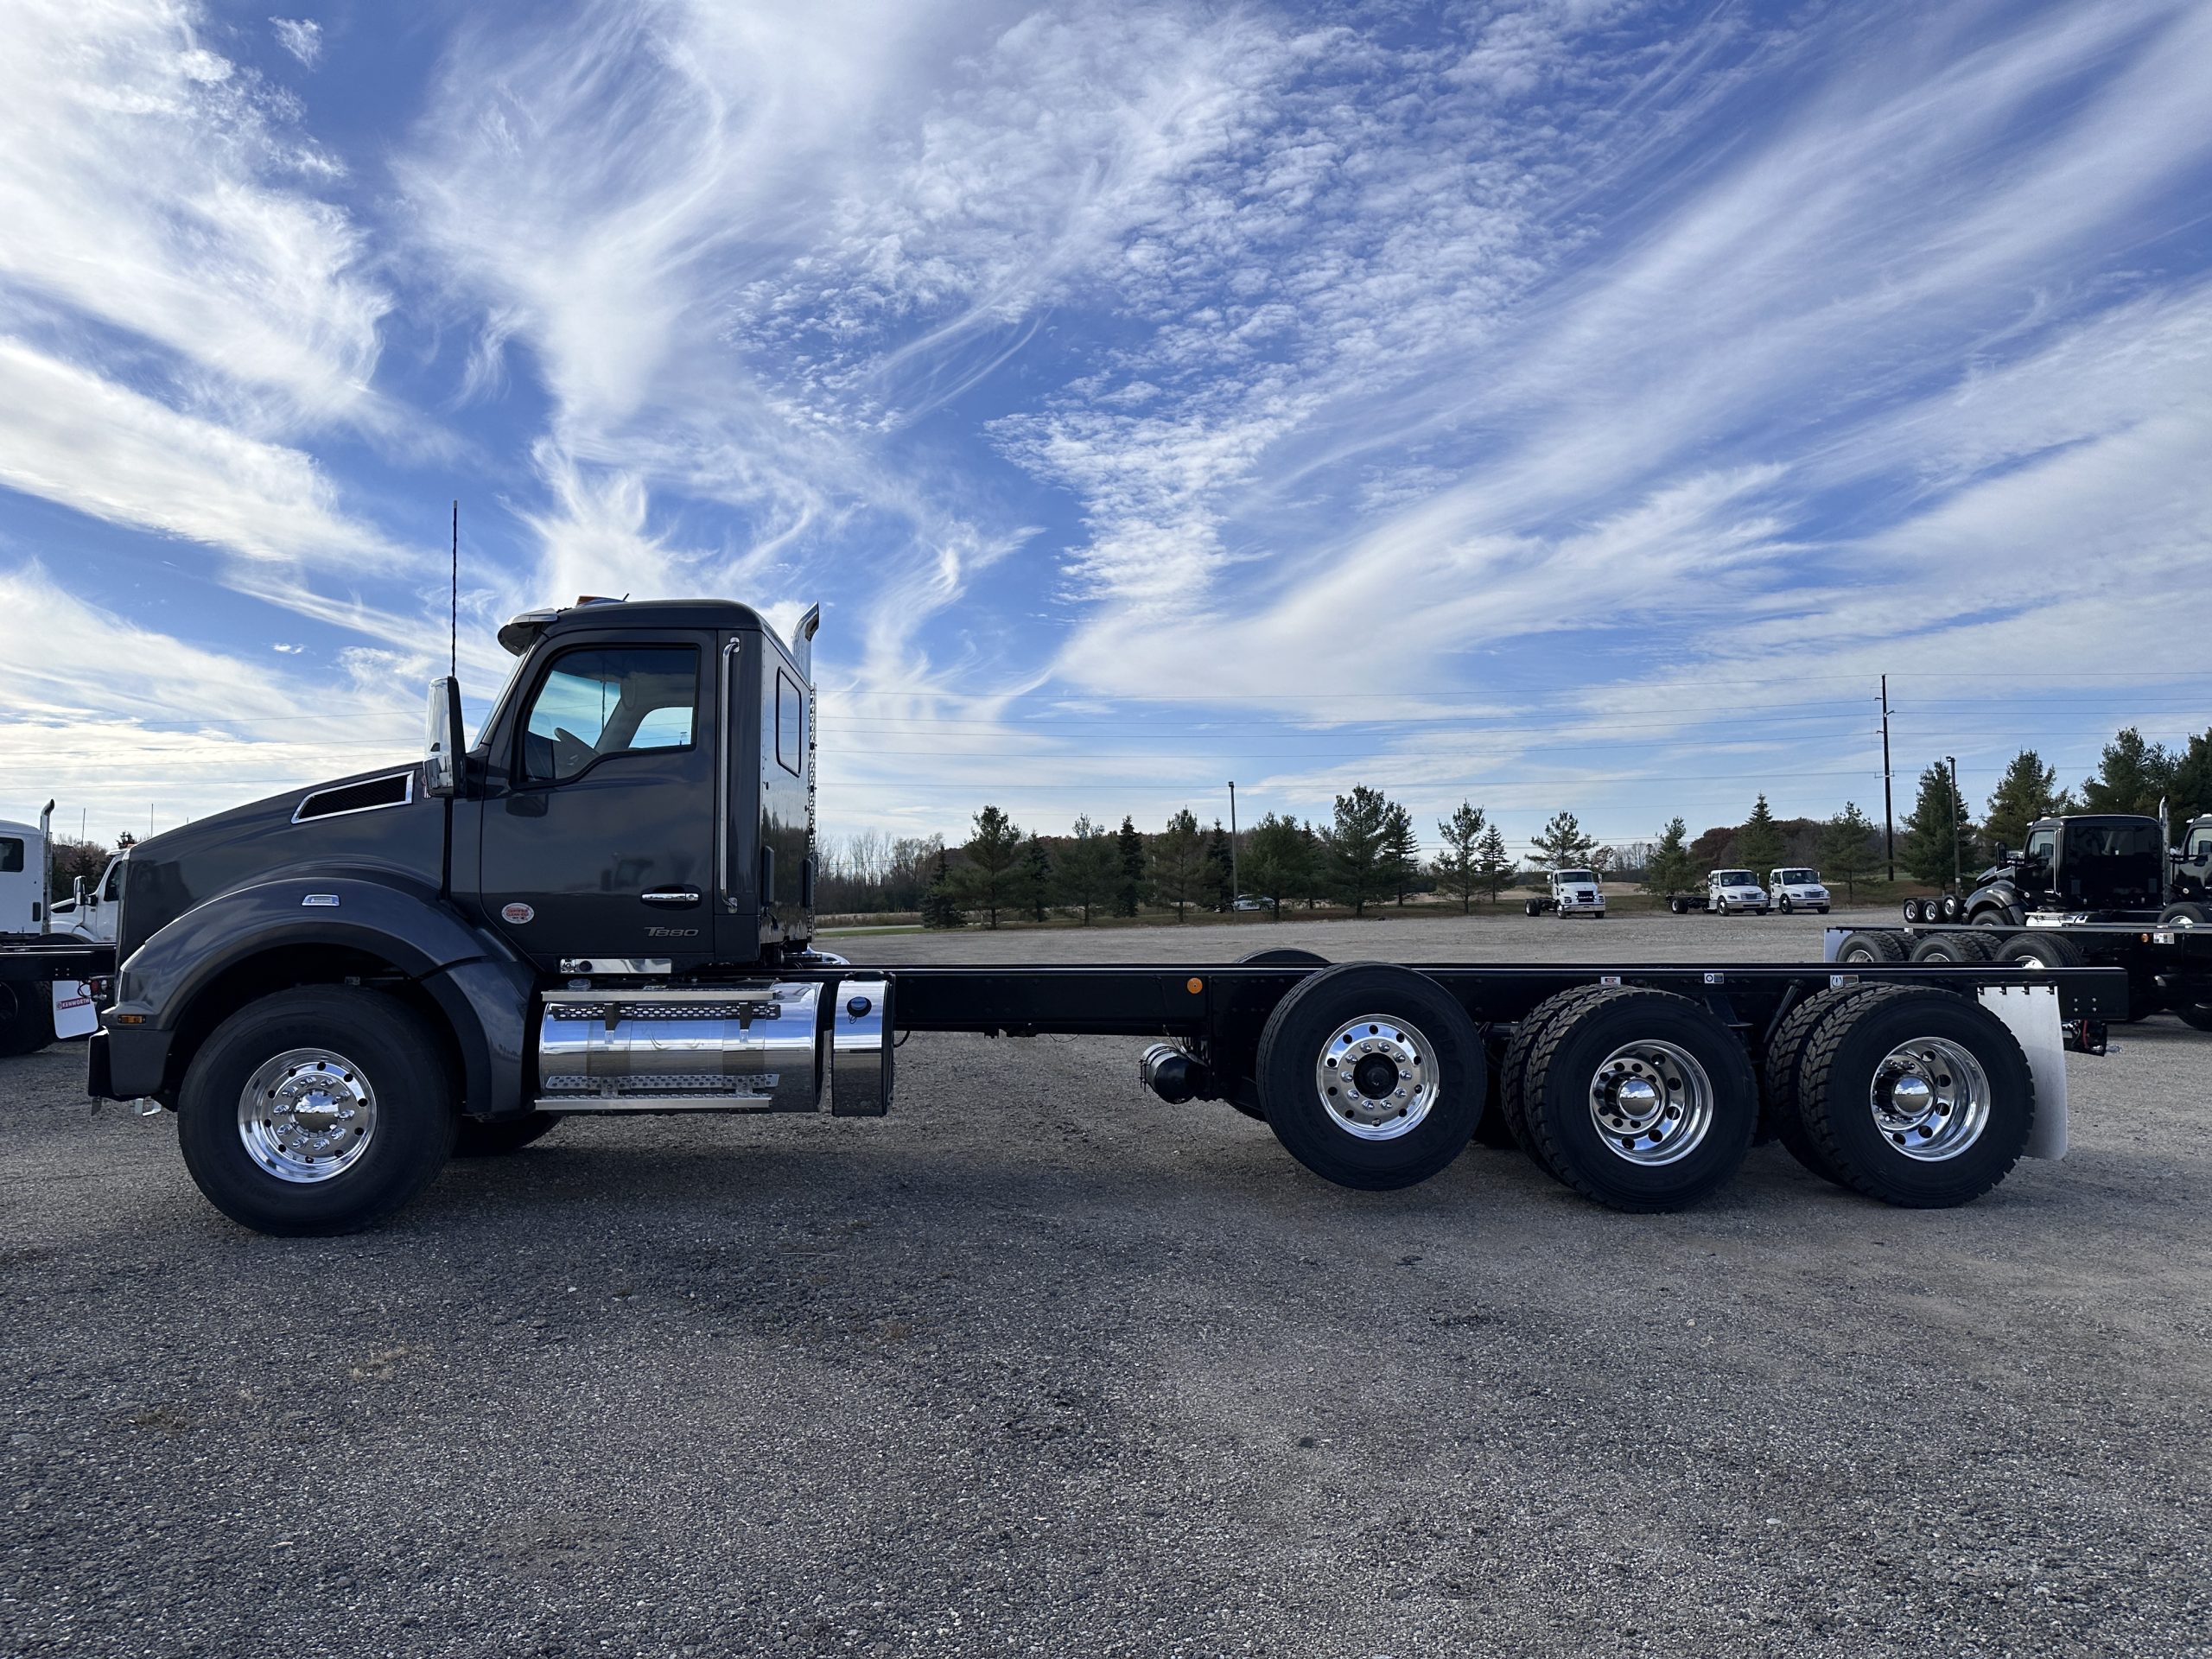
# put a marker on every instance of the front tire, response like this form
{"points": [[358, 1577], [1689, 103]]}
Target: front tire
{"points": [[1371, 1076], [1784, 906], [317, 1110]]}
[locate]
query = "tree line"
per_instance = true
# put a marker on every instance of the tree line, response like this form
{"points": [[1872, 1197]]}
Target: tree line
{"points": [[1368, 851]]}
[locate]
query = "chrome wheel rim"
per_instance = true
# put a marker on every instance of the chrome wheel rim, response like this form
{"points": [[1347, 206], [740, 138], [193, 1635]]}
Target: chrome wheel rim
{"points": [[307, 1115], [1930, 1098], [1378, 1076], [1651, 1103]]}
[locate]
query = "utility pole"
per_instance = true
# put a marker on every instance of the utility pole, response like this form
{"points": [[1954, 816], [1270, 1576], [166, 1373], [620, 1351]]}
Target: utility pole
{"points": [[1888, 808], [1958, 851], [1235, 892]]}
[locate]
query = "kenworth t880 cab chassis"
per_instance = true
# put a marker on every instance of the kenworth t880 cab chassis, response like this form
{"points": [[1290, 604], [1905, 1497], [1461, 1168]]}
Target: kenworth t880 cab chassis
{"points": [[606, 905]]}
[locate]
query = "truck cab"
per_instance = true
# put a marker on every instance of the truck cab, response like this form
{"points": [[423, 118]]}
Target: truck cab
{"points": [[90, 915], [2192, 879], [1571, 892], [1727, 892], [23, 872], [2102, 866], [1796, 889]]}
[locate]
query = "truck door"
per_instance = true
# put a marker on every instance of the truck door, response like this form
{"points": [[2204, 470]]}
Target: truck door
{"points": [[598, 821]]}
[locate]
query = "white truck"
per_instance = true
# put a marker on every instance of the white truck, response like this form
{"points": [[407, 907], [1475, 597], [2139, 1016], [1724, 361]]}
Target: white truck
{"points": [[1572, 892], [1797, 888], [90, 914], [47, 974], [1727, 892]]}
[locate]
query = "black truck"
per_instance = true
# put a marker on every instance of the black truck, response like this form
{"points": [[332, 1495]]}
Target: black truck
{"points": [[606, 904], [2100, 889]]}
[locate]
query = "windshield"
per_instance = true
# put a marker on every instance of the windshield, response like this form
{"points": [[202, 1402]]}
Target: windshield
{"points": [[1735, 878], [1578, 876], [1797, 878]]}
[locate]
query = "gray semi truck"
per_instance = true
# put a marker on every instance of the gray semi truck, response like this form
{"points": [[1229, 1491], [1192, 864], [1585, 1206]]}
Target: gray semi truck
{"points": [[606, 904]]}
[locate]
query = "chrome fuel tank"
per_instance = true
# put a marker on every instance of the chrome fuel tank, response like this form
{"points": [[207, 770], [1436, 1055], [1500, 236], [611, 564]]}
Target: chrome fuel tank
{"points": [[739, 1047]]}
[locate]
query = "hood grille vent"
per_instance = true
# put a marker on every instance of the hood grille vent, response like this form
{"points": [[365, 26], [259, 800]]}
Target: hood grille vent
{"points": [[397, 790]]}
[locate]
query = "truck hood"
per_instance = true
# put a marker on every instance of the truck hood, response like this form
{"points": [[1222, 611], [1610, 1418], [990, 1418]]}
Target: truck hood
{"points": [[374, 823]]}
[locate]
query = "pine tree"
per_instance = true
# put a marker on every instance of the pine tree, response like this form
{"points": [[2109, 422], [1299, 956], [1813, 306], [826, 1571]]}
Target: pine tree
{"points": [[1758, 843], [1560, 845], [2132, 775], [2189, 795], [1178, 861], [1277, 861], [1939, 837], [988, 880], [940, 901], [1314, 875], [1089, 868], [1217, 882], [1458, 853], [1848, 848], [1672, 869], [1496, 868], [1358, 844], [2028, 790], [1129, 896], [1036, 879], [1400, 851]]}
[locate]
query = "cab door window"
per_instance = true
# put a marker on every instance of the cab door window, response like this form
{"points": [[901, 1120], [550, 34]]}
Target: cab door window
{"points": [[600, 702]]}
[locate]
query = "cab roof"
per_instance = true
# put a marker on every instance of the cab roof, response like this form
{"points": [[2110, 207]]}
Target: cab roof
{"points": [[523, 631]]}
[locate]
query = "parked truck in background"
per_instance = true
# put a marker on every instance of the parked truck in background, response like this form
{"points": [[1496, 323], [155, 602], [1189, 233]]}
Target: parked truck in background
{"points": [[1797, 888], [2093, 889], [49, 971], [1570, 892], [606, 904], [1727, 892]]}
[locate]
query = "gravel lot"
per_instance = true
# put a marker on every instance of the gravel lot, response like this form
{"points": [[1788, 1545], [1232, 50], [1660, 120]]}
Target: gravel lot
{"points": [[1039, 1364]]}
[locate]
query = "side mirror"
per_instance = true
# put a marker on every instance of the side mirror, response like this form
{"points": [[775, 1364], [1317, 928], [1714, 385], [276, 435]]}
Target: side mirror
{"points": [[442, 742], [77, 891]]}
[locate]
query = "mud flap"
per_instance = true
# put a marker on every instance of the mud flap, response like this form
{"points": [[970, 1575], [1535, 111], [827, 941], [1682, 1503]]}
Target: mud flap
{"points": [[73, 1012], [2031, 1014]]}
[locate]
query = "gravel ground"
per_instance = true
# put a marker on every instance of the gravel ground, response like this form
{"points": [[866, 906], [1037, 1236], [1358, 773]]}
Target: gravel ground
{"points": [[1039, 1364]]}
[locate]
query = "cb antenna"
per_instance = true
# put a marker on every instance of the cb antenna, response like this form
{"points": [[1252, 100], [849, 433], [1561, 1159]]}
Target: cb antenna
{"points": [[453, 608]]}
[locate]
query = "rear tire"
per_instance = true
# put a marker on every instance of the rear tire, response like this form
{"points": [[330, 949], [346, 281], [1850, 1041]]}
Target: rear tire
{"points": [[1920, 1098], [26, 1018], [1785, 1055], [1512, 1072], [2038, 951], [2186, 913], [1642, 1100], [1313, 1064], [2198, 1017], [1959, 947], [1872, 946], [1288, 955], [382, 1062], [480, 1137]]}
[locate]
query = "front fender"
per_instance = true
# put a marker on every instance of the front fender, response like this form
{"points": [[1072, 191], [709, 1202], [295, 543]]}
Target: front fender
{"points": [[478, 984], [404, 925]]}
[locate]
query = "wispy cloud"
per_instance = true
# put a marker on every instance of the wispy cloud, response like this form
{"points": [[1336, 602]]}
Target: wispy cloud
{"points": [[300, 36]]}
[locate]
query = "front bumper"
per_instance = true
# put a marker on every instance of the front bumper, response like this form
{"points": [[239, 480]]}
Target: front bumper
{"points": [[125, 1062]]}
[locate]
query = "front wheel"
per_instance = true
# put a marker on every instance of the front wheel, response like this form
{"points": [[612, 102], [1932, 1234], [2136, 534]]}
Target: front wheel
{"points": [[1371, 1076], [317, 1110], [1784, 906]]}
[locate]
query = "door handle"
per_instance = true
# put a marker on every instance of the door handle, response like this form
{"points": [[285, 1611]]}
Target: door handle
{"points": [[673, 896]]}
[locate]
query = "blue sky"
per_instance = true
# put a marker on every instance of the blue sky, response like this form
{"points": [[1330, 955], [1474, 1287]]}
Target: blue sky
{"points": [[1572, 405]]}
